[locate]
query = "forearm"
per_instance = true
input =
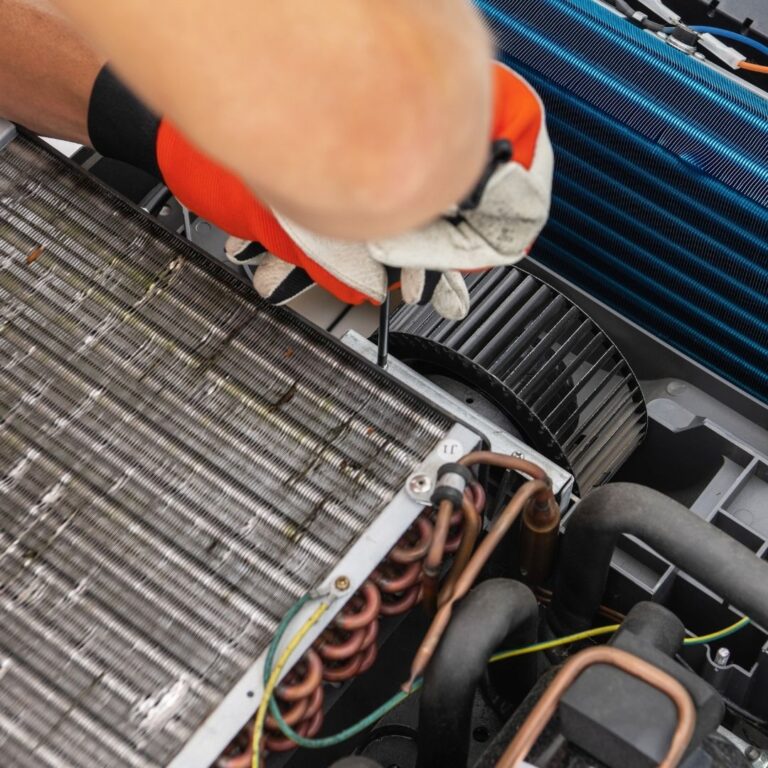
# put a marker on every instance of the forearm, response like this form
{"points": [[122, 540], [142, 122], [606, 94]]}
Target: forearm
{"points": [[46, 70], [354, 118]]}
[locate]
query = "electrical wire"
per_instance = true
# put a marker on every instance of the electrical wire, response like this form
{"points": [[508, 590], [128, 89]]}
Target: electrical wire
{"points": [[274, 674], [567, 640], [738, 37], [347, 733], [624, 7], [753, 67], [727, 34], [400, 696], [714, 636]]}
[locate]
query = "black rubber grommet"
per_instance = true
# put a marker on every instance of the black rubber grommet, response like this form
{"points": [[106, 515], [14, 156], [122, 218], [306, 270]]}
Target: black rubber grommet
{"points": [[456, 469], [446, 493]]}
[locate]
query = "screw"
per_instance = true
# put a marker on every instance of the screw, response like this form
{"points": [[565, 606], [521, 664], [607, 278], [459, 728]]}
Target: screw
{"points": [[518, 454], [419, 484], [722, 657], [341, 584], [758, 757]]}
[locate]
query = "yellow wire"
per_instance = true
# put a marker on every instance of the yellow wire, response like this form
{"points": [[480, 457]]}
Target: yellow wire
{"points": [[555, 643], [269, 688], [698, 639], [742, 622]]}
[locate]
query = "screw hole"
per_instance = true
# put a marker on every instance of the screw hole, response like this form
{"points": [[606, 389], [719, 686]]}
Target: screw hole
{"points": [[469, 400], [249, 694], [481, 734]]}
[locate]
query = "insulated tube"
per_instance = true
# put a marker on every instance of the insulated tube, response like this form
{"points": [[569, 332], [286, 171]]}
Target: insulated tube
{"points": [[496, 612], [696, 547]]}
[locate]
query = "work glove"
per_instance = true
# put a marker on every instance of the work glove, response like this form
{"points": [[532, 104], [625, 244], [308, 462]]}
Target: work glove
{"points": [[495, 225]]}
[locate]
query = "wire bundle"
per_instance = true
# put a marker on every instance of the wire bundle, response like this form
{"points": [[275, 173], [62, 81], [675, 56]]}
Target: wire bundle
{"points": [[400, 696]]}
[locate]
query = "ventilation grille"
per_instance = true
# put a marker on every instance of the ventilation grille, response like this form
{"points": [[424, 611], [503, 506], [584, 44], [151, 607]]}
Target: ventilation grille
{"points": [[543, 361], [661, 184], [178, 463]]}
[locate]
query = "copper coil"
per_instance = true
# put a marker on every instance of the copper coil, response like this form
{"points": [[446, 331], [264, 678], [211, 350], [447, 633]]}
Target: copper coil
{"points": [[369, 657], [243, 760], [414, 545], [339, 673], [371, 633], [308, 729], [346, 669], [453, 542], [479, 497], [295, 713], [309, 706], [392, 578], [338, 644], [242, 747], [309, 672], [362, 609], [397, 605]]}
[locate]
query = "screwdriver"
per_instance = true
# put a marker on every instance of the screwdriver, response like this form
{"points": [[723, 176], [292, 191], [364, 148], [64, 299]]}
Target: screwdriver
{"points": [[384, 332]]}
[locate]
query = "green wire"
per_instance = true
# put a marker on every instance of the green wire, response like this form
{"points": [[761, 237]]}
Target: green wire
{"points": [[347, 733], [280, 631], [714, 636], [400, 696]]}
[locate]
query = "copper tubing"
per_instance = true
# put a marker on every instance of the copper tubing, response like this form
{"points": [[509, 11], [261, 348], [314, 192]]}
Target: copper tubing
{"points": [[503, 523], [388, 580], [369, 657], [400, 605], [243, 760], [534, 471], [308, 729], [362, 609], [311, 707], [311, 678], [306, 714], [434, 559], [544, 596], [453, 542], [294, 714], [478, 497], [470, 532], [442, 525], [538, 539], [344, 672], [242, 743], [603, 654], [335, 646], [345, 667], [407, 551]]}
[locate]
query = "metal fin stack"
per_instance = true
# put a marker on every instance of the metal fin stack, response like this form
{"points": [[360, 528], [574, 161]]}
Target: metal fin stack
{"points": [[541, 360]]}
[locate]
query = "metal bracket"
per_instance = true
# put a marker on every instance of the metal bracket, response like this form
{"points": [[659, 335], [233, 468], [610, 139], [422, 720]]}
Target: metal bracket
{"points": [[340, 585], [7, 133], [498, 439]]}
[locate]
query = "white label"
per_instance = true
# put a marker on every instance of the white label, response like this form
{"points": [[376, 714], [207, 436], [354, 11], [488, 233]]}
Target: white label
{"points": [[450, 450]]}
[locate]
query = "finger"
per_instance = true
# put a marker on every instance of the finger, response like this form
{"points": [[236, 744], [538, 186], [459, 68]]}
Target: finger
{"points": [[418, 285], [451, 297], [279, 282], [243, 252]]}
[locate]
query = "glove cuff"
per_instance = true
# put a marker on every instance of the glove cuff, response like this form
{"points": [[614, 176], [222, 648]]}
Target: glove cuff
{"points": [[120, 126]]}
